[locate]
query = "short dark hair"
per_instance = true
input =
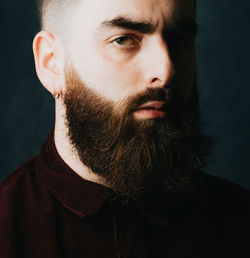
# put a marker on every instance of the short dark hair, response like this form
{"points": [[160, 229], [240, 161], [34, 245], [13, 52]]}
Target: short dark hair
{"points": [[53, 12]]}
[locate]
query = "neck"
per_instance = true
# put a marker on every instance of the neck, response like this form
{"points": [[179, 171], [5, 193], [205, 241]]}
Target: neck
{"points": [[67, 151]]}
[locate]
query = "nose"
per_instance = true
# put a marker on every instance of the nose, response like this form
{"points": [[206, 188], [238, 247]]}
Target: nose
{"points": [[157, 66]]}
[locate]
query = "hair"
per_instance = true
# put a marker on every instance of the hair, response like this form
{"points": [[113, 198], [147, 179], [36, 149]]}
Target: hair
{"points": [[55, 15], [57, 12]]}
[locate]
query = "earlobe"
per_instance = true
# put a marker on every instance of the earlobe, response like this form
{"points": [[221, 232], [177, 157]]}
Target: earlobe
{"points": [[46, 54]]}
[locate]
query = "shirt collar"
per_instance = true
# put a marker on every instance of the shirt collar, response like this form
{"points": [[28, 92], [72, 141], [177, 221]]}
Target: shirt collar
{"points": [[85, 198], [76, 194]]}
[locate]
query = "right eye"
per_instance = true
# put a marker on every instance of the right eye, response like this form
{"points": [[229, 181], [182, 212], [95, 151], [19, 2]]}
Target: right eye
{"points": [[126, 41]]}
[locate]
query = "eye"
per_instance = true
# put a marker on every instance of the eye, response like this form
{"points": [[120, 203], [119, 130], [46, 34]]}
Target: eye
{"points": [[126, 41]]}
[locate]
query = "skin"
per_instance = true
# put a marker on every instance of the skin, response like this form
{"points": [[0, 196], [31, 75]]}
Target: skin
{"points": [[115, 62]]}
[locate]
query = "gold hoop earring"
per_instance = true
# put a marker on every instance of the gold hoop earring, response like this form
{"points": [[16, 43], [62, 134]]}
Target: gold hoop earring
{"points": [[56, 95]]}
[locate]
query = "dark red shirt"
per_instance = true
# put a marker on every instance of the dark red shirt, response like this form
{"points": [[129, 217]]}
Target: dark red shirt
{"points": [[48, 211]]}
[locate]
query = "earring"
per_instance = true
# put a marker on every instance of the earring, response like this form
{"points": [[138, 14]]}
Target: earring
{"points": [[56, 95]]}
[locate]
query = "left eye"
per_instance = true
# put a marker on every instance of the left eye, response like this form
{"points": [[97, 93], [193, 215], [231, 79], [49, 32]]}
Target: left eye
{"points": [[126, 41]]}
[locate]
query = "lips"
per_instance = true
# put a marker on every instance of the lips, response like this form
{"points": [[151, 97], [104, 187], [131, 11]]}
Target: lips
{"points": [[152, 105], [150, 110]]}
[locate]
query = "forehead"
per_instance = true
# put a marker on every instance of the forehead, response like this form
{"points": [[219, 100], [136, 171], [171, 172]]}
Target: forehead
{"points": [[93, 12]]}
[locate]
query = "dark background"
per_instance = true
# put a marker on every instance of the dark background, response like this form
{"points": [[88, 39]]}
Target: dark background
{"points": [[223, 56]]}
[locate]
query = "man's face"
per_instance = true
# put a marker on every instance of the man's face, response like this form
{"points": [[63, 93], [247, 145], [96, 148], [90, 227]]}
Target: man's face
{"points": [[122, 47], [131, 99]]}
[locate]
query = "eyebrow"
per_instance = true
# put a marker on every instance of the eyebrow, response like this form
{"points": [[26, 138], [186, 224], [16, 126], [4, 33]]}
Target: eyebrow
{"points": [[187, 24], [126, 23]]}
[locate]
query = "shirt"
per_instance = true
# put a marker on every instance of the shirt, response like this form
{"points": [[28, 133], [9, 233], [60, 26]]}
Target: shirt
{"points": [[47, 210]]}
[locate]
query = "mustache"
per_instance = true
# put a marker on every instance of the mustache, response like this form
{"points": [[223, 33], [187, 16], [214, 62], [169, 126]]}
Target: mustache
{"points": [[168, 95], [150, 94]]}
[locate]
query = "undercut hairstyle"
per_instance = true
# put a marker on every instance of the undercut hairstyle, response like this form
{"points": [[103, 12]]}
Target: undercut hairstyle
{"points": [[55, 15]]}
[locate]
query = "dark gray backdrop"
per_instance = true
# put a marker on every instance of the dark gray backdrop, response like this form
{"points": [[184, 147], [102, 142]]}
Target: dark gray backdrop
{"points": [[223, 56]]}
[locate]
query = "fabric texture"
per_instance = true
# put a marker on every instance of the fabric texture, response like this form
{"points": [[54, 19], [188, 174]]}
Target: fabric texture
{"points": [[47, 210]]}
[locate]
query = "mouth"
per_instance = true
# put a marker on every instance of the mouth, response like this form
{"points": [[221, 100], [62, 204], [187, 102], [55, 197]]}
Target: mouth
{"points": [[150, 110]]}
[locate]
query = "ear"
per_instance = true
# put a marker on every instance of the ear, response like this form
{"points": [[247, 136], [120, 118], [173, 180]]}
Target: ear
{"points": [[48, 54]]}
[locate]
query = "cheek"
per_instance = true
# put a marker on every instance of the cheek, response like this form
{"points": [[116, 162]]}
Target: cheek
{"points": [[186, 74], [113, 76], [116, 82]]}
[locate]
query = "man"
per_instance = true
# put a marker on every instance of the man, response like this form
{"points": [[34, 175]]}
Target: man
{"points": [[121, 174]]}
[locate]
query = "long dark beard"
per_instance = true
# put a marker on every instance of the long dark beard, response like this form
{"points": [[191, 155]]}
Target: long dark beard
{"points": [[135, 158]]}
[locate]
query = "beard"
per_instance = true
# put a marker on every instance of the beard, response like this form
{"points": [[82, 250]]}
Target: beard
{"points": [[136, 158]]}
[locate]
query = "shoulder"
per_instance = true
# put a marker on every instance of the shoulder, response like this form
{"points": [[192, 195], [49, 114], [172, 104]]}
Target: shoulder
{"points": [[21, 174], [18, 187], [228, 206], [225, 194]]}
